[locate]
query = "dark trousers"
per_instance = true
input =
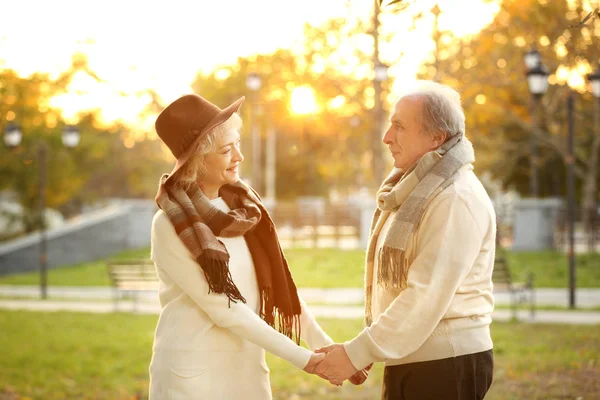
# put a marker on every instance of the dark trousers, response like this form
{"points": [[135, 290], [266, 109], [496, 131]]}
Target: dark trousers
{"points": [[466, 377]]}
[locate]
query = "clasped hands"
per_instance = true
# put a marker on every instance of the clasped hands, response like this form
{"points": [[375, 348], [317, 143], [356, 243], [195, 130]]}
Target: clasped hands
{"points": [[332, 364]]}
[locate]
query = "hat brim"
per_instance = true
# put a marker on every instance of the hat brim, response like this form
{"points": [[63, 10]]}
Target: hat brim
{"points": [[217, 120]]}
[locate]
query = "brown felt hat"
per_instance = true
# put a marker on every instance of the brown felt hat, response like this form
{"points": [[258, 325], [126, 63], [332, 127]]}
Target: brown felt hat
{"points": [[187, 120]]}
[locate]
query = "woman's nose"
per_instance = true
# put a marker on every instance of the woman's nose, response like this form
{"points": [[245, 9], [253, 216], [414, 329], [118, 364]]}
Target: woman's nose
{"points": [[237, 155]]}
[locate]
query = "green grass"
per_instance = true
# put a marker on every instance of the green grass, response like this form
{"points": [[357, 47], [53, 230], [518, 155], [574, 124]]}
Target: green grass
{"points": [[331, 268], [84, 274], [327, 268], [105, 357], [311, 268], [551, 268]]}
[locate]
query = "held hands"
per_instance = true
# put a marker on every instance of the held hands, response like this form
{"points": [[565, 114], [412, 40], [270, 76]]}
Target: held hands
{"points": [[336, 367], [332, 364], [315, 359]]}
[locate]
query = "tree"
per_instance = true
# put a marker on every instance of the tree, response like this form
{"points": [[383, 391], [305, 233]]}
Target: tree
{"points": [[330, 148], [101, 166], [488, 70]]}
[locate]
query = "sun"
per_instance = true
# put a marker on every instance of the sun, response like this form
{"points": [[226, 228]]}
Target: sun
{"points": [[303, 100]]}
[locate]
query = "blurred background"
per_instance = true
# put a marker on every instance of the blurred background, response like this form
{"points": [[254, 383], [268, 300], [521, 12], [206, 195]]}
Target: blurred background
{"points": [[81, 84]]}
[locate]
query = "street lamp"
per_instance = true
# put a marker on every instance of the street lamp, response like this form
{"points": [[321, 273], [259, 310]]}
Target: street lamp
{"points": [[537, 80], [532, 59], [254, 83], [70, 138], [304, 104], [594, 79], [381, 71], [570, 161], [12, 135], [381, 75], [590, 208]]}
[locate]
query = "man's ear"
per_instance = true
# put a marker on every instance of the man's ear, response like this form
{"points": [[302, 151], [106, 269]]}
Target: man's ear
{"points": [[438, 139]]}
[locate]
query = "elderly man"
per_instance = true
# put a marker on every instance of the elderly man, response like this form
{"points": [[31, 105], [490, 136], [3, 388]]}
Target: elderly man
{"points": [[428, 278]]}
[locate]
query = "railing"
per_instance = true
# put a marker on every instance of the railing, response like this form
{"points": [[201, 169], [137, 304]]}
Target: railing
{"points": [[322, 225], [587, 235]]}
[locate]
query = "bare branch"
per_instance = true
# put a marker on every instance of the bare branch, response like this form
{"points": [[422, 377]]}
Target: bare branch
{"points": [[512, 155], [392, 2], [399, 4], [545, 138], [595, 14]]}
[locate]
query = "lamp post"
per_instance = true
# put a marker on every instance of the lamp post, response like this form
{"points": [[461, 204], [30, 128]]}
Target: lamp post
{"points": [[270, 161], [537, 80], [595, 82], [254, 83], [304, 104], [590, 189], [380, 76], [570, 161], [70, 138]]}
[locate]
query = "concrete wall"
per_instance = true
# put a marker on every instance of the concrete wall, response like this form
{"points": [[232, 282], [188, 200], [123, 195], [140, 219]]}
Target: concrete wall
{"points": [[121, 226], [535, 220]]}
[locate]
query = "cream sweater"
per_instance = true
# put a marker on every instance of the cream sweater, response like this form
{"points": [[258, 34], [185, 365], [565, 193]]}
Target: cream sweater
{"points": [[445, 309], [192, 320]]}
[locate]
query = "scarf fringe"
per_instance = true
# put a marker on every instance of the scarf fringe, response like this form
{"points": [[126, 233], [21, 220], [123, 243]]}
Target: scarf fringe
{"points": [[368, 305], [219, 279], [288, 325], [393, 268], [266, 303]]}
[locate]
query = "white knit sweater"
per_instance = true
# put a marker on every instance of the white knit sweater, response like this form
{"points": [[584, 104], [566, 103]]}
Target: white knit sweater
{"points": [[193, 320], [445, 309]]}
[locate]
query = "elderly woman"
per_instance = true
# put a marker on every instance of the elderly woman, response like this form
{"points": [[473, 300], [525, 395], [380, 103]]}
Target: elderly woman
{"points": [[226, 291]]}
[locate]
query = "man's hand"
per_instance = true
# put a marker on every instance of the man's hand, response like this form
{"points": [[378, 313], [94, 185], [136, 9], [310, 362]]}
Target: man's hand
{"points": [[336, 366], [361, 376], [315, 359]]}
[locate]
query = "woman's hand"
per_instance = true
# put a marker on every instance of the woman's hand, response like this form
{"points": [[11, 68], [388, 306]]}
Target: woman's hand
{"points": [[311, 367], [315, 359]]}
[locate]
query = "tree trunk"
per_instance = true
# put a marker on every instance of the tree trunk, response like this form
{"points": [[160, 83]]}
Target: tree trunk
{"points": [[590, 190]]}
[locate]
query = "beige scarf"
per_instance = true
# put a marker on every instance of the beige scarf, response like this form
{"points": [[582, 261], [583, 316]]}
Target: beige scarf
{"points": [[409, 193]]}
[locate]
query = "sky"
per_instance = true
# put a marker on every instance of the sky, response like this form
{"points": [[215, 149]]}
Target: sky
{"points": [[134, 45]]}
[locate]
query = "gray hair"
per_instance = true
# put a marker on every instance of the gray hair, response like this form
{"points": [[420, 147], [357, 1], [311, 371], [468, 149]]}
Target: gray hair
{"points": [[194, 168], [442, 109]]}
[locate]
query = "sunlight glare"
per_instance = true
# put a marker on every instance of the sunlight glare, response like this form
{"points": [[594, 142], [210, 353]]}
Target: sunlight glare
{"points": [[303, 100], [337, 102]]}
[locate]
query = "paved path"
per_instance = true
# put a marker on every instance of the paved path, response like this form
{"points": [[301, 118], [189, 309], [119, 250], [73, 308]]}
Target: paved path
{"points": [[351, 296], [325, 303], [340, 312]]}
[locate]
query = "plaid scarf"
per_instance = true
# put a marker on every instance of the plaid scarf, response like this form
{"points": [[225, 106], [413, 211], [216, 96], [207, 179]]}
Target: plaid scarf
{"points": [[198, 223], [408, 194]]}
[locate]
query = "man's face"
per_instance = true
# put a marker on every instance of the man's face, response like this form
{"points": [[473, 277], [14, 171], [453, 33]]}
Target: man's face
{"points": [[405, 137]]}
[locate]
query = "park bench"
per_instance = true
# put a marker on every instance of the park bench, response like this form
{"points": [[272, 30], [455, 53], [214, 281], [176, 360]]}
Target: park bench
{"points": [[129, 278], [519, 292]]}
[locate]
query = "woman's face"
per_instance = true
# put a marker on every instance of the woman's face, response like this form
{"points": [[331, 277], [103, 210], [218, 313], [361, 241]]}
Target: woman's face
{"points": [[222, 164]]}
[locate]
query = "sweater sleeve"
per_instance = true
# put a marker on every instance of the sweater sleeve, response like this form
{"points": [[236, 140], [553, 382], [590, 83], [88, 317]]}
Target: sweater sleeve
{"points": [[171, 255], [449, 242], [311, 332]]}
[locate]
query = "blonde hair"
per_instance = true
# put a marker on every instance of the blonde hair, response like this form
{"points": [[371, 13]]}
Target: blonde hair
{"points": [[194, 168]]}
